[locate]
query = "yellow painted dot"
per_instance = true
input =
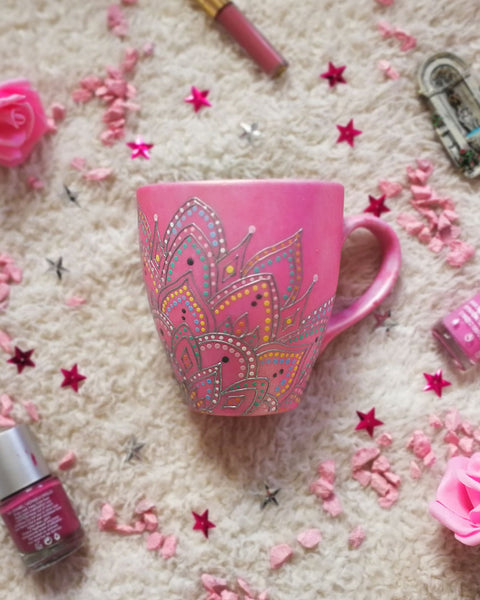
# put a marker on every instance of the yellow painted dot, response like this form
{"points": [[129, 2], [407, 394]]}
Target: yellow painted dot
{"points": [[233, 297], [157, 258], [230, 269], [217, 312], [222, 306], [288, 321], [227, 303], [247, 292], [267, 328], [265, 338], [239, 295], [255, 288], [268, 321], [264, 286]]}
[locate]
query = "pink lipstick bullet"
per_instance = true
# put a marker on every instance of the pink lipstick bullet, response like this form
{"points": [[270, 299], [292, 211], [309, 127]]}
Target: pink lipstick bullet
{"points": [[249, 38]]}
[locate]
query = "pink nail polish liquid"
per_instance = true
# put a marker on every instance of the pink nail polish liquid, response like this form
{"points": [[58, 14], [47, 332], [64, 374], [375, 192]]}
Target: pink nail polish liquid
{"points": [[459, 333], [33, 503]]}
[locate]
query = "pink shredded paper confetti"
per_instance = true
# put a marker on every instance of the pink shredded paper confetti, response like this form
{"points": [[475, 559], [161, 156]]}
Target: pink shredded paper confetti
{"points": [[6, 342], [387, 69], [407, 42], [32, 410]]}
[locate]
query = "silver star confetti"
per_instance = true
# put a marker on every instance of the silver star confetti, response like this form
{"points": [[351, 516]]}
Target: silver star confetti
{"points": [[270, 498], [57, 267], [250, 132], [133, 448], [71, 196]]}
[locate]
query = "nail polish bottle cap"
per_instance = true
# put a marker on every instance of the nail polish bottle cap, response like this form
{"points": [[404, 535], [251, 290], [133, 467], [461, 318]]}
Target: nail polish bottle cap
{"points": [[21, 461]]}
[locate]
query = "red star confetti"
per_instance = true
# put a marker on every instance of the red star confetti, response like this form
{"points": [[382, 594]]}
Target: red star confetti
{"points": [[347, 133], [140, 149], [198, 98], [435, 382], [21, 359], [377, 205], [202, 523], [72, 377], [368, 421], [334, 74]]}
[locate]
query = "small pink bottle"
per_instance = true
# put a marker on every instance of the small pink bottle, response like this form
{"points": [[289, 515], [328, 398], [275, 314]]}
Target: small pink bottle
{"points": [[459, 333], [33, 503]]}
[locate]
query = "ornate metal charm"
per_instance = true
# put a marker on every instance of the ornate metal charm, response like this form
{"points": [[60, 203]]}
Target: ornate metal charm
{"points": [[454, 99]]}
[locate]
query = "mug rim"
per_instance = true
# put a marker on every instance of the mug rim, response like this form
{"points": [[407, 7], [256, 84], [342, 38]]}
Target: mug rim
{"points": [[247, 182]]}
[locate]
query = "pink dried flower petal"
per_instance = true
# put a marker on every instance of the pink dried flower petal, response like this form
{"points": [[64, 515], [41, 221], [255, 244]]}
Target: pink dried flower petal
{"points": [[154, 541], [148, 49], [384, 440], [451, 438], [98, 174], [75, 301], [213, 584], [467, 428], [91, 83], [356, 537], [452, 451], [430, 459], [389, 499], [393, 478], [435, 422], [363, 456], [387, 68], [385, 29], [35, 183], [363, 477], [144, 506], [321, 488], [415, 471], [31, 410], [453, 420], [6, 342], [58, 111], [78, 163], [380, 464], [151, 521], [310, 538], [130, 59], [4, 292], [459, 253], [81, 95], [108, 519], [326, 470], [466, 445], [379, 484], [116, 20], [68, 461], [279, 555], [245, 587], [6, 405], [332, 506], [6, 421], [408, 42]]}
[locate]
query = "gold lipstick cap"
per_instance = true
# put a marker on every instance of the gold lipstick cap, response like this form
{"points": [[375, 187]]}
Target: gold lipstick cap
{"points": [[212, 7]]}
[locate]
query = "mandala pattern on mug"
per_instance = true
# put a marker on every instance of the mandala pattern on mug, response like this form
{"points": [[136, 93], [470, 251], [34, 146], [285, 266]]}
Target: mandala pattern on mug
{"points": [[234, 327]]}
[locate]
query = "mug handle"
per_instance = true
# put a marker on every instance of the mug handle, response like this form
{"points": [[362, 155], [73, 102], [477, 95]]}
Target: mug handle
{"points": [[383, 283]]}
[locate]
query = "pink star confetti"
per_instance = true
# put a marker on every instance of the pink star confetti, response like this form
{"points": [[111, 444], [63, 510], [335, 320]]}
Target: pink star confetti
{"points": [[198, 98], [347, 133], [368, 421], [334, 74], [72, 377], [202, 523], [21, 359], [377, 205], [140, 149], [435, 382]]}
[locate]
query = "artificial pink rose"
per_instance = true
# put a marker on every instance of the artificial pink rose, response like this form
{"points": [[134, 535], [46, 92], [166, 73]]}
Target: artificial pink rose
{"points": [[22, 121], [457, 503]]}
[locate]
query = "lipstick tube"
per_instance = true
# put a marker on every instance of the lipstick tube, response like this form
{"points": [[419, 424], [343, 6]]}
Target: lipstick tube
{"points": [[249, 38]]}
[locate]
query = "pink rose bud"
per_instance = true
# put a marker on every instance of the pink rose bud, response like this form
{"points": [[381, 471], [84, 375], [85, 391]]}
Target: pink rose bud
{"points": [[22, 121]]}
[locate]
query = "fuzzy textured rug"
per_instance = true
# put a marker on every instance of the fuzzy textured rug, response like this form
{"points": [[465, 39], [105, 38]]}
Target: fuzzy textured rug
{"points": [[192, 462]]}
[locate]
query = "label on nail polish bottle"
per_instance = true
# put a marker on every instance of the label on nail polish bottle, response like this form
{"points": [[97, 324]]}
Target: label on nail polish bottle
{"points": [[459, 332], [39, 517]]}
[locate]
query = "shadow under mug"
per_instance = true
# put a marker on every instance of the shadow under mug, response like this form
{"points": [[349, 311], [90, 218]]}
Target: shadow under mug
{"points": [[241, 279]]}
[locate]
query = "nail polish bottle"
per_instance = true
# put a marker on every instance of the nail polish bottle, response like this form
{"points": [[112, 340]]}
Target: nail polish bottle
{"points": [[33, 503], [459, 333]]}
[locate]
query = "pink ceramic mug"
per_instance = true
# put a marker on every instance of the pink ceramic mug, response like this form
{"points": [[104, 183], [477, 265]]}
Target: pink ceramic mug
{"points": [[241, 279]]}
